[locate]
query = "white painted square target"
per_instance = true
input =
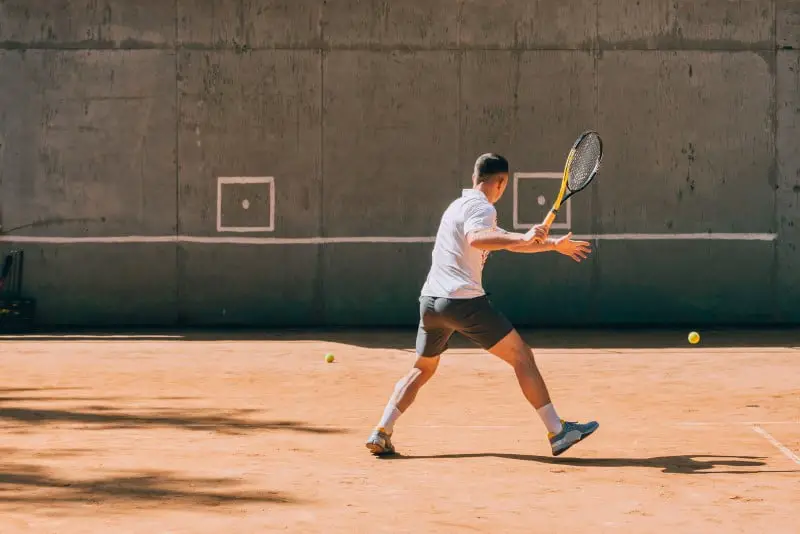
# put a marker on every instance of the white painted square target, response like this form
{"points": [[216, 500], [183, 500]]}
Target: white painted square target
{"points": [[246, 204], [533, 196]]}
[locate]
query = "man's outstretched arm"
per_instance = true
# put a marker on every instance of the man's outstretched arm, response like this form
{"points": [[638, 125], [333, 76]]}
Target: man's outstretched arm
{"points": [[496, 239], [577, 250], [499, 239]]}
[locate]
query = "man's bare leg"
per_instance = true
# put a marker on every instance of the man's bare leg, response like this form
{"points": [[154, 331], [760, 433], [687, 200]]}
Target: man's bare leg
{"points": [[405, 391], [513, 350]]}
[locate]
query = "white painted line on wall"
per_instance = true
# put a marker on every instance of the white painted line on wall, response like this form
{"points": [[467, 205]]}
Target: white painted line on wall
{"points": [[680, 237], [231, 240], [786, 452], [515, 200], [78, 240], [229, 180], [301, 240], [619, 237]]}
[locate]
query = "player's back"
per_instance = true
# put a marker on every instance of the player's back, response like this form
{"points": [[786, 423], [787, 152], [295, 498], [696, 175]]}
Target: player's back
{"points": [[456, 267]]}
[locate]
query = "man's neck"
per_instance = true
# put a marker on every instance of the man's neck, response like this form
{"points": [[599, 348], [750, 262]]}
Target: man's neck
{"points": [[480, 188]]}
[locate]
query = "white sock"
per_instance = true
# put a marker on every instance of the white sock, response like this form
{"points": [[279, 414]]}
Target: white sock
{"points": [[390, 415], [550, 418]]}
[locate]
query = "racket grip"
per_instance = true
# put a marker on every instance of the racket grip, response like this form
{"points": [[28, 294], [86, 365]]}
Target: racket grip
{"points": [[551, 216]]}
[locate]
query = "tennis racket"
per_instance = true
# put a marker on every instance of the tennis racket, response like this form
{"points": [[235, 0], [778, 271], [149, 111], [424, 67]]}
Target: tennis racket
{"points": [[583, 162]]}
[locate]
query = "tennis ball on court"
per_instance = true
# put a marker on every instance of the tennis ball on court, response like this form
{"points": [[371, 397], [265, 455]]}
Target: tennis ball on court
{"points": [[329, 358], [694, 337]]}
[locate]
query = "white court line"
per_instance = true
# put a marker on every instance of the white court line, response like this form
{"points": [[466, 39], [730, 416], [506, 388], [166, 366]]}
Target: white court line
{"points": [[789, 454], [469, 427], [229, 240], [687, 423], [745, 423]]}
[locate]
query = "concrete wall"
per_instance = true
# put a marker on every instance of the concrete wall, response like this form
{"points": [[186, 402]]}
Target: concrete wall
{"points": [[118, 117]]}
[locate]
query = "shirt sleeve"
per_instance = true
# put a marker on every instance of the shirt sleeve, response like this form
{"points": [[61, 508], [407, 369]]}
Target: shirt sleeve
{"points": [[480, 217]]}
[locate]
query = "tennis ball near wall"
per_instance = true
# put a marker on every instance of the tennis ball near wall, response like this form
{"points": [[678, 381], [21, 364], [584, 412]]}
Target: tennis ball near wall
{"points": [[694, 338]]}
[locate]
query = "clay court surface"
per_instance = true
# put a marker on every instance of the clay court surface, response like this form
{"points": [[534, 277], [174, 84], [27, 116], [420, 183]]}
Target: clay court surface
{"points": [[256, 433]]}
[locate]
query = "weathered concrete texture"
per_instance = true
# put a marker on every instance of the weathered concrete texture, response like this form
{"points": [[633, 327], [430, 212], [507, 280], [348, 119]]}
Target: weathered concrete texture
{"points": [[525, 24], [101, 284], [690, 149], [88, 142], [684, 282], [373, 285], [543, 289], [529, 107], [375, 23], [699, 24], [390, 168], [88, 23], [250, 23], [254, 114], [425, 24], [690, 140], [390, 142], [368, 116], [416, 24], [788, 23], [787, 288], [248, 285]]}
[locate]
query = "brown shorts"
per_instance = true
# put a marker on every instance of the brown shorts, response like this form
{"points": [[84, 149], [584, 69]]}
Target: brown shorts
{"points": [[474, 318]]}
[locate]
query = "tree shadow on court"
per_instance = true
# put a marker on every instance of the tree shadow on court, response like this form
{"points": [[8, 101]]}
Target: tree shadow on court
{"points": [[25, 484], [11, 391], [692, 464], [8, 452], [108, 417], [11, 395], [403, 338]]}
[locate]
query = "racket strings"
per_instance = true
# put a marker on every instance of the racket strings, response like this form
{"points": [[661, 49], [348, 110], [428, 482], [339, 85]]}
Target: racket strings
{"points": [[584, 163]]}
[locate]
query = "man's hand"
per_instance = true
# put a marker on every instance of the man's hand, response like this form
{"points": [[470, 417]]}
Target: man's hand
{"points": [[537, 234], [533, 241], [577, 250]]}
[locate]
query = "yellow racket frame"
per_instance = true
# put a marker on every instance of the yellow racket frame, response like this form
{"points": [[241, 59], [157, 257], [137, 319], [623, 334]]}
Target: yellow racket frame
{"points": [[551, 215]]}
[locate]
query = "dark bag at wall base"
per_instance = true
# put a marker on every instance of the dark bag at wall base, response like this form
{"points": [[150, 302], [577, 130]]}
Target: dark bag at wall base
{"points": [[16, 312]]}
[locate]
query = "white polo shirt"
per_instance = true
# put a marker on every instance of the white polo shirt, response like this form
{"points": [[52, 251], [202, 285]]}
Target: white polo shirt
{"points": [[457, 267]]}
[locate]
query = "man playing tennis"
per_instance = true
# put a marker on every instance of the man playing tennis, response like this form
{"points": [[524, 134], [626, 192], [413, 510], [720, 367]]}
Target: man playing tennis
{"points": [[452, 299]]}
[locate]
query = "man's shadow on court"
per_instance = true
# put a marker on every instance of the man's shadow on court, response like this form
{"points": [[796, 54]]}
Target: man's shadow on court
{"points": [[684, 464]]}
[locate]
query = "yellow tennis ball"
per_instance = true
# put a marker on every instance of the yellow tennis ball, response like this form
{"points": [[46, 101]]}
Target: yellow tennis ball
{"points": [[329, 358], [694, 337]]}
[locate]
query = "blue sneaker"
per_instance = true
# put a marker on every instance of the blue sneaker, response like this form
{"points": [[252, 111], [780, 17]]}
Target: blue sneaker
{"points": [[380, 443], [571, 434]]}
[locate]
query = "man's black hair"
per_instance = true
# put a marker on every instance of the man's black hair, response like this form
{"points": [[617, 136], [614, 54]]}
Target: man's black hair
{"points": [[487, 165]]}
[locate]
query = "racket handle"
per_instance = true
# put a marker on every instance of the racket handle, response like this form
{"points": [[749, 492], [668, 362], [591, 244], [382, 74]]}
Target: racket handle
{"points": [[551, 216]]}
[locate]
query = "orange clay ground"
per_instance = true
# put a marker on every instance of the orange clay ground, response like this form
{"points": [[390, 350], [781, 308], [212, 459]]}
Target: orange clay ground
{"points": [[248, 433]]}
